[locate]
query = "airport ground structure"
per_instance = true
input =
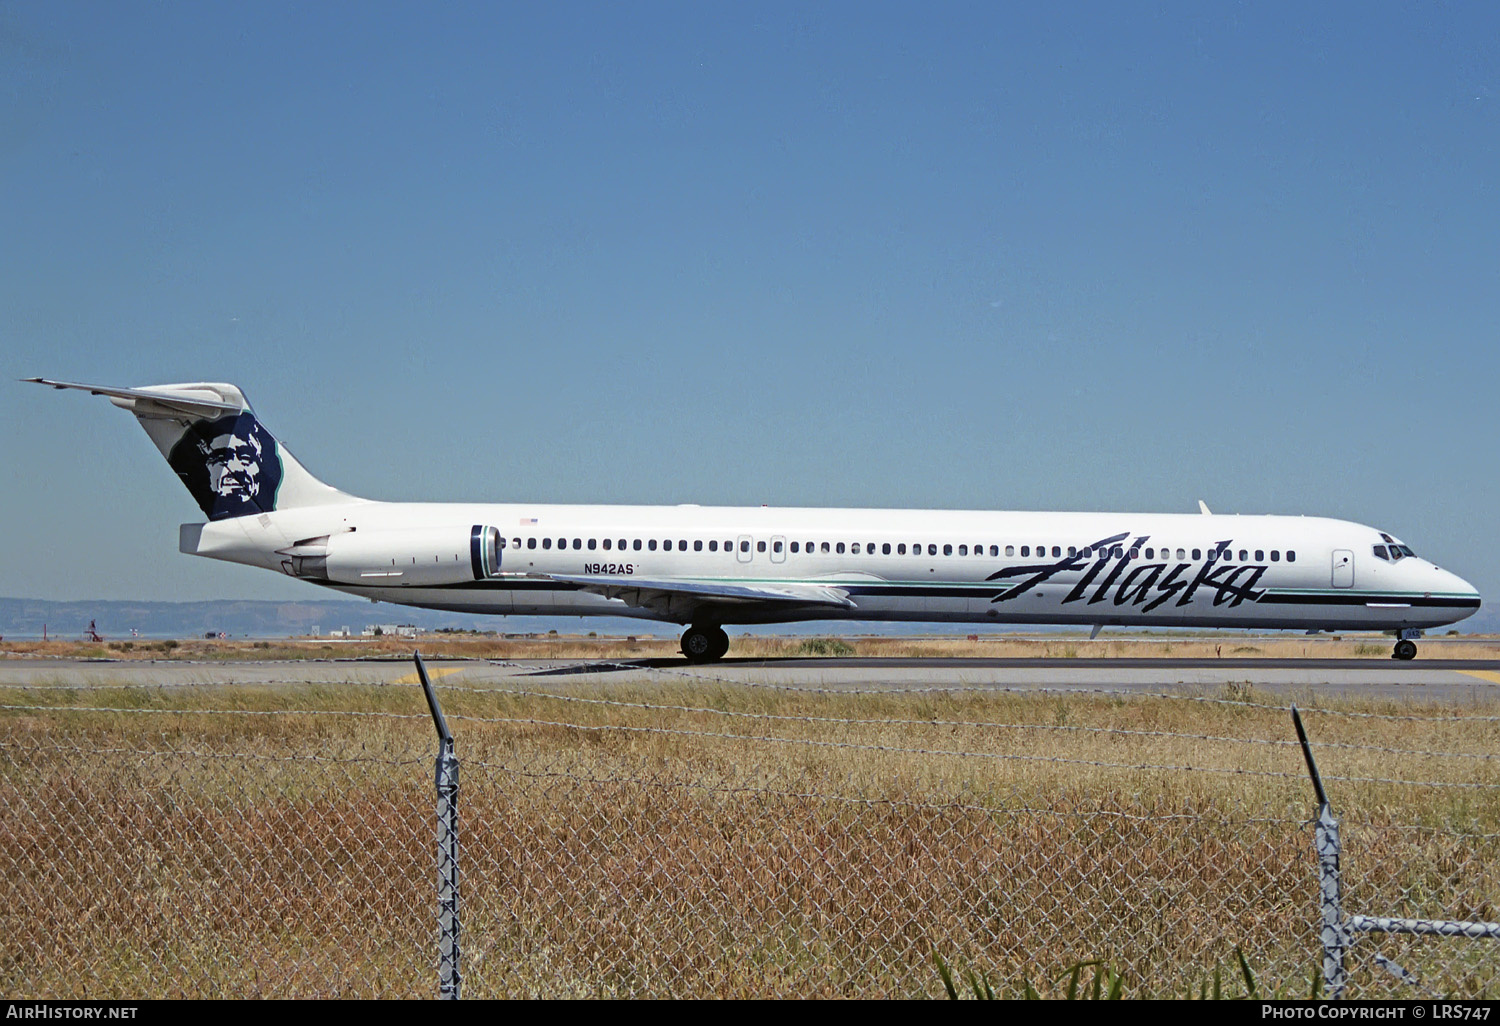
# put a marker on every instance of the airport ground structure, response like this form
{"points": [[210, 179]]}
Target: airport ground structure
{"points": [[644, 828]]}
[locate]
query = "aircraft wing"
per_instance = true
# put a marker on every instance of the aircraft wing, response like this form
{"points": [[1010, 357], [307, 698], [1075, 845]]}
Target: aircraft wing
{"points": [[675, 599]]}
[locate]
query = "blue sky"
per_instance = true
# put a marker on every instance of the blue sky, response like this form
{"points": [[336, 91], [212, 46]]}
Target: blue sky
{"points": [[979, 256]]}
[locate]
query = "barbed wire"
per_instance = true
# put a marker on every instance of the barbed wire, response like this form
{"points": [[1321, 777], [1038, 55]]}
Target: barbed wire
{"points": [[217, 712], [1016, 810], [205, 754], [978, 724], [775, 739], [1004, 756]]}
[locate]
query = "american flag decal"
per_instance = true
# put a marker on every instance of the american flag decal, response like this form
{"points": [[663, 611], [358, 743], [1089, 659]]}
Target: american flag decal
{"points": [[527, 520]]}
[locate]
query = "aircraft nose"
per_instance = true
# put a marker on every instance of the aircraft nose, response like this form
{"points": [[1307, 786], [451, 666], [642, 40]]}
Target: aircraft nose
{"points": [[1451, 584]]}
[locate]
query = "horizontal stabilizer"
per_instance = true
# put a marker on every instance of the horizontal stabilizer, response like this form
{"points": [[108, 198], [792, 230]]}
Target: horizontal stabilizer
{"points": [[194, 402]]}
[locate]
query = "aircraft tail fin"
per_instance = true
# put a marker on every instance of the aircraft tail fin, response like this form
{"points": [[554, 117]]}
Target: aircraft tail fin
{"points": [[230, 463]]}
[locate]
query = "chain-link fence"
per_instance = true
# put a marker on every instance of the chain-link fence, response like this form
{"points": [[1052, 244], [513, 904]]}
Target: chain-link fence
{"points": [[690, 835]]}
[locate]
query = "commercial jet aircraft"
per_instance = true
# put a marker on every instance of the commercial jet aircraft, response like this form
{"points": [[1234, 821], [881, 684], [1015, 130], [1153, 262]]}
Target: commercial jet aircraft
{"points": [[703, 567]]}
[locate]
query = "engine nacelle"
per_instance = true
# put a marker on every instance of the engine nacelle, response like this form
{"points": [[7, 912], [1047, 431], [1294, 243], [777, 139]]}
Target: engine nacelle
{"points": [[413, 557]]}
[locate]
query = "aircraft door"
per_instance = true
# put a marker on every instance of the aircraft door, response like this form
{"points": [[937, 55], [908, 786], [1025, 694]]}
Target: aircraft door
{"points": [[744, 549], [778, 549], [1343, 568]]}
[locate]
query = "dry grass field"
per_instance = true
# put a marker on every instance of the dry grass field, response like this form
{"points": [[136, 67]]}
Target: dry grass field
{"points": [[664, 644], [676, 840]]}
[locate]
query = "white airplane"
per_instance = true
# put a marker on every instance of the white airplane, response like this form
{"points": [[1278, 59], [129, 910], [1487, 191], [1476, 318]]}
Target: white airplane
{"points": [[705, 567]]}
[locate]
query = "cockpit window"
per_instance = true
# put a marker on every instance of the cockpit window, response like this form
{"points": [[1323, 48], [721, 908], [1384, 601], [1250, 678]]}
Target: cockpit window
{"points": [[1394, 551]]}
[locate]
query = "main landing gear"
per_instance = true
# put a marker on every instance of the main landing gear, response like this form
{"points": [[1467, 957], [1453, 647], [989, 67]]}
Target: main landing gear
{"points": [[1406, 648], [704, 644]]}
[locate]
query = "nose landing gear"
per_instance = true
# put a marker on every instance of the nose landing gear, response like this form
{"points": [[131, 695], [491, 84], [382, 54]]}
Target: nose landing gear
{"points": [[1406, 648], [704, 644]]}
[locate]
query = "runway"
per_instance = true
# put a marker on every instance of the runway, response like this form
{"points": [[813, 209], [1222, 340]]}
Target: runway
{"points": [[1429, 680]]}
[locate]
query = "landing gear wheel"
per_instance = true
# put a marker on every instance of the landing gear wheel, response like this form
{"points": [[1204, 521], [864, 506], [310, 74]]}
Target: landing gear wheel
{"points": [[704, 644], [1405, 650]]}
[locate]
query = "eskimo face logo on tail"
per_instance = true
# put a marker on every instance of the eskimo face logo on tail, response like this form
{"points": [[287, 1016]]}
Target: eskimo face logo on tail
{"points": [[230, 465]]}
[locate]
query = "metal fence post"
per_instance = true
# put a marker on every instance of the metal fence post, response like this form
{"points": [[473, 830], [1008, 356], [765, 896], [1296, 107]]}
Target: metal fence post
{"points": [[1332, 931], [449, 977]]}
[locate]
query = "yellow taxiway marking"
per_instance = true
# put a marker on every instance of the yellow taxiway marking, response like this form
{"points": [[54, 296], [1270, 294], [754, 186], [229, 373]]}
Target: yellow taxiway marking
{"points": [[1489, 675], [412, 678]]}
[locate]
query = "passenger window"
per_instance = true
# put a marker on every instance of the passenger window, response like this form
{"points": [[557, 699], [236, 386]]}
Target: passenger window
{"points": [[682, 545], [515, 543], [697, 544], [776, 546], [593, 544], [531, 543], [1197, 553], [854, 549], [667, 545], [1025, 550], [578, 543], [1072, 552], [1276, 555], [1260, 555], [1291, 557], [963, 550], [1010, 550], [794, 546], [713, 546], [744, 546], [1135, 553], [885, 549], [994, 550], [827, 548], [606, 544], [1086, 553], [1244, 555], [651, 544], [901, 548], [931, 549], [760, 546], [839, 548], [546, 543], [947, 550], [1181, 554], [1151, 553], [637, 545]]}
